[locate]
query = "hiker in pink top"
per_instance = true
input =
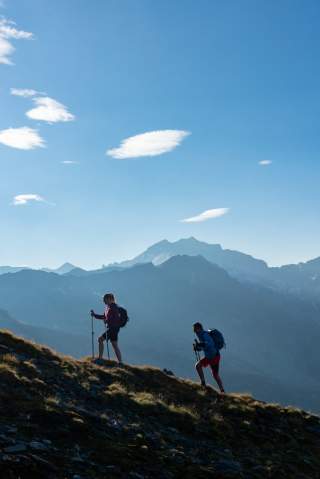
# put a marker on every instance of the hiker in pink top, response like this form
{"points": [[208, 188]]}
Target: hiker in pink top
{"points": [[111, 318]]}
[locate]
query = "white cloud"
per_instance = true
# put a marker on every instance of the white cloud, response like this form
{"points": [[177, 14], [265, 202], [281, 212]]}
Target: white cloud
{"points": [[9, 32], [46, 108], [50, 110], [24, 92], [24, 199], [6, 49], [265, 162], [151, 143], [70, 162], [207, 215], [23, 138]]}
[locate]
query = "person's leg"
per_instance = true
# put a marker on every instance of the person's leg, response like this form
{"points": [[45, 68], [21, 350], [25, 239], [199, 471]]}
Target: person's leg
{"points": [[101, 346], [215, 374], [200, 372], [117, 350]]}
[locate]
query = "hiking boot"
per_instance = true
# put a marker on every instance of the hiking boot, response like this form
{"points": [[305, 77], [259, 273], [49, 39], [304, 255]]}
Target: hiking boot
{"points": [[221, 395]]}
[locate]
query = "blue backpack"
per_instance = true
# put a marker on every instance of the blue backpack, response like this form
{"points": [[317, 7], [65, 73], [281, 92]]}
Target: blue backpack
{"points": [[218, 338]]}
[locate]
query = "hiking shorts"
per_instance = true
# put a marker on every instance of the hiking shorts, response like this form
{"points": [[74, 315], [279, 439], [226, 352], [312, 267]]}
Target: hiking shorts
{"points": [[213, 363], [111, 334]]}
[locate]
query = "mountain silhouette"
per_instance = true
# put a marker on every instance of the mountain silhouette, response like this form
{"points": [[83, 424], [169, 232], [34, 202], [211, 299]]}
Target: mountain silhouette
{"points": [[63, 269], [11, 269], [302, 278], [236, 263]]}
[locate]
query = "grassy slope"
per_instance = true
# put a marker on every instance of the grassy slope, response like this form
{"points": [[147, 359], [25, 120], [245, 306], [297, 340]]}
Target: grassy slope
{"points": [[137, 422]]}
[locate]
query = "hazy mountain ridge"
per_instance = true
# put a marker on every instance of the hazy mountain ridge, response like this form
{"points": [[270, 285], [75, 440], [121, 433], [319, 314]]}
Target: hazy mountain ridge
{"points": [[60, 340], [302, 279], [12, 269], [63, 269], [232, 261], [138, 422]]}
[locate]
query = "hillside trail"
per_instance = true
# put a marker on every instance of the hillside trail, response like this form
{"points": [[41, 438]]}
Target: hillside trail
{"points": [[71, 419]]}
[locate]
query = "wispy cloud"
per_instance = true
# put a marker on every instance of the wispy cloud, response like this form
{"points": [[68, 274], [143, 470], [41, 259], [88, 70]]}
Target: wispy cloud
{"points": [[207, 215], [23, 138], [24, 92], [26, 198], [265, 162], [50, 110], [70, 162], [151, 143], [9, 32]]}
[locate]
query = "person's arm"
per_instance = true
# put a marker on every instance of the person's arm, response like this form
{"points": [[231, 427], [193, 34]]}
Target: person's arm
{"points": [[98, 316], [198, 345]]}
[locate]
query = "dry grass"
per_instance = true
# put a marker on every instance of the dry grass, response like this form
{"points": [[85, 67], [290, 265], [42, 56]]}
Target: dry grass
{"points": [[116, 389], [8, 373], [10, 358], [119, 409]]}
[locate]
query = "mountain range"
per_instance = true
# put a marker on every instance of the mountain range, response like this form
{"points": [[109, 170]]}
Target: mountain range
{"points": [[236, 263], [272, 336], [63, 269], [301, 279]]}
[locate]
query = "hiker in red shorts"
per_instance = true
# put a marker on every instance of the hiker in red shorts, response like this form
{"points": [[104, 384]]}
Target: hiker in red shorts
{"points": [[211, 355]]}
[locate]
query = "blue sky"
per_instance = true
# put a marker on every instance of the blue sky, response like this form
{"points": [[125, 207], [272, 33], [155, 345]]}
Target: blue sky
{"points": [[241, 77]]}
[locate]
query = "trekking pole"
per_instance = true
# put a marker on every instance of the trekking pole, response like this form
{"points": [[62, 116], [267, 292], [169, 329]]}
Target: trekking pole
{"points": [[108, 349], [106, 333], [92, 337], [198, 355], [196, 352]]}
